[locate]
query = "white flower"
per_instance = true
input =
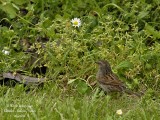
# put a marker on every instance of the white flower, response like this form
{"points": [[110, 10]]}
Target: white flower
{"points": [[119, 112], [76, 22], [6, 52]]}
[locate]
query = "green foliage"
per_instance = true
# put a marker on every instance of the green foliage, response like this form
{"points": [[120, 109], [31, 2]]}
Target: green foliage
{"points": [[52, 102], [126, 33], [121, 32], [151, 31]]}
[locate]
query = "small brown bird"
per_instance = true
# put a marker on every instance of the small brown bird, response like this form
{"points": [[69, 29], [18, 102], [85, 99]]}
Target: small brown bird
{"points": [[108, 81]]}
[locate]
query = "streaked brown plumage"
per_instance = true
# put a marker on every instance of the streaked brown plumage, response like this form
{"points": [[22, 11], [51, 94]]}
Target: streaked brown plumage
{"points": [[108, 81]]}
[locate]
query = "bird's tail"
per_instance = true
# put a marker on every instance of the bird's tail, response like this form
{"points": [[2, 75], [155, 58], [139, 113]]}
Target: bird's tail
{"points": [[133, 93]]}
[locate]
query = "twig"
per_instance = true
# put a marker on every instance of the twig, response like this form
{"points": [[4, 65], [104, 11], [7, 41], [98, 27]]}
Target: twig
{"points": [[23, 78]]}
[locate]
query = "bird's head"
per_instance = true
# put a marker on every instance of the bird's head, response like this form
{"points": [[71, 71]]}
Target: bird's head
{"points": [[104, 66]]}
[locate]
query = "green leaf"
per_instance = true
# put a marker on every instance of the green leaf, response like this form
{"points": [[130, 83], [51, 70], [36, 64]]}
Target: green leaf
{"points": [[93, 24], [82, 87], [47, 23], [71, 81], [124, 64], [152, 31], [148, 66], [142, 14], [9, 9], [20, 2], [58, 17]]}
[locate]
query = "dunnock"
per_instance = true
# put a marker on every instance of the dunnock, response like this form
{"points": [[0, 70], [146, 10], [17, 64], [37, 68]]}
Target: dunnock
{"points": [[108, 81]]}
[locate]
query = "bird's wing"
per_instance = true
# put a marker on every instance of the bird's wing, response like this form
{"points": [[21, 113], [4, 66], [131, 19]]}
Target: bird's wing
{"points": [[111, 79]]}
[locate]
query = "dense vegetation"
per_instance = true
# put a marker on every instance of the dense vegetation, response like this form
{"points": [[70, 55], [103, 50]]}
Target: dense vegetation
{"points": [[126, 33]]}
